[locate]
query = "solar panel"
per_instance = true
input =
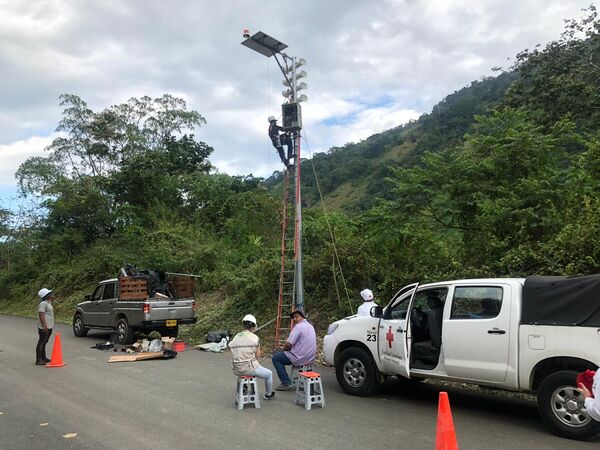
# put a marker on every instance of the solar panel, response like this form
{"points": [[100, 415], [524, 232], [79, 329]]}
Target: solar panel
{"points": [[264, 44]]}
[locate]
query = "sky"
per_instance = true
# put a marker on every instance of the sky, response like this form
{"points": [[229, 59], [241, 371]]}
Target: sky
{"points": [[372, 65]]}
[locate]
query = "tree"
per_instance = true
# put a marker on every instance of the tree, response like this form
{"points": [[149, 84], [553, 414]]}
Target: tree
{"points": [[501, 193], [133, 154], [562, 77], [97, 144]]}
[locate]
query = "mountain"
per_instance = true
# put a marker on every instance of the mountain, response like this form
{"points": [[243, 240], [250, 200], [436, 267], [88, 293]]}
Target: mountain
{"points": [[353, 177]]}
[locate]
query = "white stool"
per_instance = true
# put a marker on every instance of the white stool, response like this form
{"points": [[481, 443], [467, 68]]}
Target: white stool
{"points": [[309, 390], [246, 392], [308, 367]]}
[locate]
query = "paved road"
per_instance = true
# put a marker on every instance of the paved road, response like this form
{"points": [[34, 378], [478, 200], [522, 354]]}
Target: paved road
{"points": [[187, 403]]}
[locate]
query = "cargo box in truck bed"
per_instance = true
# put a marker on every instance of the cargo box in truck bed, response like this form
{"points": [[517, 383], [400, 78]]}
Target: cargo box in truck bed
{"points": [[136, 288]]}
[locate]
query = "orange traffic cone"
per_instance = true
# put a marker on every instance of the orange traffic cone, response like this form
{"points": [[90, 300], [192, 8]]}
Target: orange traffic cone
{"points": [[445, 438], [56, 359]]}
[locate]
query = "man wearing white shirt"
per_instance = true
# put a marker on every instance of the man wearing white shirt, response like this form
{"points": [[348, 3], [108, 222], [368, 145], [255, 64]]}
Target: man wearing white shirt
{"points": [[365, 308], [45, 325]]}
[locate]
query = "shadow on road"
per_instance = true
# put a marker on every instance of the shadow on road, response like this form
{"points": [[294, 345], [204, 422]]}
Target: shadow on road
{"points": [[498, 406]]}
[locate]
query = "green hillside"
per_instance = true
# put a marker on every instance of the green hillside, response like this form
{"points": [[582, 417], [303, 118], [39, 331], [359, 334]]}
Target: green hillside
{"points": [[353, 177]]}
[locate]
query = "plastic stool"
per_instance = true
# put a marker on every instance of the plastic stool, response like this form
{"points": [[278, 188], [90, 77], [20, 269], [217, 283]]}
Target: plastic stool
{"points": [[309, 390], [308, 367], [246, 392]]}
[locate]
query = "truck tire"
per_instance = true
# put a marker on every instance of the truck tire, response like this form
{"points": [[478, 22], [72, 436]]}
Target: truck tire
{"points": [[356, 372], [79, 328], [561, 407], [125, 334]]}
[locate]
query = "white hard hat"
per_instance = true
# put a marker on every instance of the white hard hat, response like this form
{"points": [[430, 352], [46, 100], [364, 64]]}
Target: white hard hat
{"points": [[249, 318], [367, 295], [272, 119], [43, 293]]}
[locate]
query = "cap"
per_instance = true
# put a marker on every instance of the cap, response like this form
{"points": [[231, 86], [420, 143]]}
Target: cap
{"points": [[297, 311], [272, 119], [367, 295]]}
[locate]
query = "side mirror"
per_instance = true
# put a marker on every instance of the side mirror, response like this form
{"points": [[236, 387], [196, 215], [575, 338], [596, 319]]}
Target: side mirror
{"points": [[377, 312], [86, 298]]}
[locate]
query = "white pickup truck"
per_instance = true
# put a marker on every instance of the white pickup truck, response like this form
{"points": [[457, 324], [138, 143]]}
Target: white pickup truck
{"points": [[526, 335]]}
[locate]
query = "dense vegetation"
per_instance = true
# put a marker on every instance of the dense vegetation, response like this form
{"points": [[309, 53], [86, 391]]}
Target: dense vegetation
{"points": [[501, 179]]}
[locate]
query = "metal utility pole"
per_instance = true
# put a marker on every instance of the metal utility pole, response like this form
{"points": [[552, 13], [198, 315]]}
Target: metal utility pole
{"points": [[292, 123]]}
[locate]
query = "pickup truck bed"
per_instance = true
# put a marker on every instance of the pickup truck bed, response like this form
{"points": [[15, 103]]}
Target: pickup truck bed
{"points": [[123, 305]]}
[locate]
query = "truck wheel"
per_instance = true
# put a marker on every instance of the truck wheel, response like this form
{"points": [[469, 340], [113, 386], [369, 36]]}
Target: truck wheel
{"points": [[79, 329], [125, 335], [356, 373], [561, 406]]}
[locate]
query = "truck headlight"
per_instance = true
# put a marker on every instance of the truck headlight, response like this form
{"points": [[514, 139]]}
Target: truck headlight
{"points": [[331, 328]]}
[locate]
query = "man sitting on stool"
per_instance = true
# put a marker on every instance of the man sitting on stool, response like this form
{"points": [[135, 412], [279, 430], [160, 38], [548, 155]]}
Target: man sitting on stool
{"points": [[300, 348], [245, 351]]}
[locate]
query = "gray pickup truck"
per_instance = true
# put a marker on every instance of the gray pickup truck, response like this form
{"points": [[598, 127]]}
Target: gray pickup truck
{"points": [[114, 306]]}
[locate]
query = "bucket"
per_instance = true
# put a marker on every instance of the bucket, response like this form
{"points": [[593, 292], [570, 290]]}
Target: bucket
{"points": [[178, 346]]}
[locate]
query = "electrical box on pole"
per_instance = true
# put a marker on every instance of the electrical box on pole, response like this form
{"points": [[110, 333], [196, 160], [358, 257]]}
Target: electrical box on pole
{"points": [[291, 116]]}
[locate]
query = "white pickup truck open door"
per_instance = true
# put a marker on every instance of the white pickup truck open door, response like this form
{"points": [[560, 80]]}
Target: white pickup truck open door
{"points": [[394, 333]]}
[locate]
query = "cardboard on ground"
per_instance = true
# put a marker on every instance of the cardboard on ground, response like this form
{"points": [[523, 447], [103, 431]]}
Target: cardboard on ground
{"points": [[135, 357]]}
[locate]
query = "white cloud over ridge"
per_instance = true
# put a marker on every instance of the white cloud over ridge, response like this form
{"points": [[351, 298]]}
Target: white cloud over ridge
{"points": [[372, 64], [11, 155]]}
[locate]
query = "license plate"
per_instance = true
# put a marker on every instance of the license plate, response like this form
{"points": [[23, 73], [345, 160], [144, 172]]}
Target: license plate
{"points": [[171, 323]]}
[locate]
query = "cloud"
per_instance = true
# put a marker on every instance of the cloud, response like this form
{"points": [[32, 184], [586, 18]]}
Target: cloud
{"points": [[408, 54], [13, 155]]}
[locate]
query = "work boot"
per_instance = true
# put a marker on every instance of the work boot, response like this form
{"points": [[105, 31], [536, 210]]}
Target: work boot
{"points": [[40, 362], [47, 359], [284, 387]]}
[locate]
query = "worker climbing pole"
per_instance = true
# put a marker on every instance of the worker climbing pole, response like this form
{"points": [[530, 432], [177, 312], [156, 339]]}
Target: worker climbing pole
{"points": [[291, 287]]}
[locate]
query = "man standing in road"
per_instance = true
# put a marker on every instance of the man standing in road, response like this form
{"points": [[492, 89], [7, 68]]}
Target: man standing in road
{"points": [[365, 308], [45, 325], [300, 348]]}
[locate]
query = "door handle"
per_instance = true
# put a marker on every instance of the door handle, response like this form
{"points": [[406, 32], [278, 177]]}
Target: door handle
{"points": [[496, 331], [399, 330]]}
